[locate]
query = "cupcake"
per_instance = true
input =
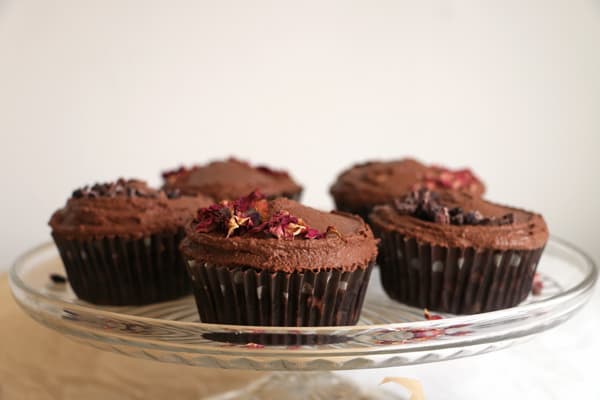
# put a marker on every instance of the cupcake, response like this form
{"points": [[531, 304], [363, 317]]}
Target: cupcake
{"points": [[456, 253], [360, 188], [232, 179], [276, 262], [119, 242]]}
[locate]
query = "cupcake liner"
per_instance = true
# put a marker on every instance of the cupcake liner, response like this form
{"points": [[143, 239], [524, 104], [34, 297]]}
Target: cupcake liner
{"points": [[454, 280], [125, 271], [275, 339], [247, 296]]}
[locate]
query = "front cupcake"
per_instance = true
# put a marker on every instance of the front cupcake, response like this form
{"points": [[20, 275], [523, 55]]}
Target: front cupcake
{"points": [[119, 242], [456, 253], [232, 179], [362, 187], [255, 261]]}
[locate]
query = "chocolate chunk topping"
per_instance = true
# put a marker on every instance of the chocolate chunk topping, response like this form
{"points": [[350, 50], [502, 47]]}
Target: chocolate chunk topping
{"points": [[121, 188], [425, 205]]}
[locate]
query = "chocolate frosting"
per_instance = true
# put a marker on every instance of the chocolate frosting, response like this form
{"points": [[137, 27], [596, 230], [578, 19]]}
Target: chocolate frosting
{"points": [[356, 248], [231, 179], [125, 208], [366, 185], [527, 231]]}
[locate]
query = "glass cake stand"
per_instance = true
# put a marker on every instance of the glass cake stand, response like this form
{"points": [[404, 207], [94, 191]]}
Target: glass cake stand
{"points": [[388, 333]]}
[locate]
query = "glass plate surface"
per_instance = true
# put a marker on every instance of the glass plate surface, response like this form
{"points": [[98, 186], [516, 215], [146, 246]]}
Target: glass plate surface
{"points": [[388, 333]]}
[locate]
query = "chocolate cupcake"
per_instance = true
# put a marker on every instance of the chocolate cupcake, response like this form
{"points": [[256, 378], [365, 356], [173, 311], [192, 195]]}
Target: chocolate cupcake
{"points": [[232, 179], [278, 263], [457, 253], [360, 188], [119, 242]]}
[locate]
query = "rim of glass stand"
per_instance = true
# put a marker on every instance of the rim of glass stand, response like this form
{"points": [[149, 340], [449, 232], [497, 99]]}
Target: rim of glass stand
{"points": [[579, 290]]}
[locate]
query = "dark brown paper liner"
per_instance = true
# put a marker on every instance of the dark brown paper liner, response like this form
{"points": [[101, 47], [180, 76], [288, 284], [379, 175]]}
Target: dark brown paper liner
{"points": [[275, 339], [454, 280], [125, 271], [247, 296]]}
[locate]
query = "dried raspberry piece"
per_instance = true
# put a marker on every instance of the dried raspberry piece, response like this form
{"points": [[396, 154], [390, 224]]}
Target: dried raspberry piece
{"points": [[312, 233], [283, 225], [444, 178], [229, 217], [538, 284]]}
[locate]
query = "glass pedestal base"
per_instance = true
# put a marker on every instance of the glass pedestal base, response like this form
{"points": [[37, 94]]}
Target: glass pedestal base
{"points": [[306, 385]]}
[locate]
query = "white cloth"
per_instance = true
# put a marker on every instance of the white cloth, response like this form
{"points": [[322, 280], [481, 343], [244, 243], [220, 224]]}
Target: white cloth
{"points": [[561, 363]]}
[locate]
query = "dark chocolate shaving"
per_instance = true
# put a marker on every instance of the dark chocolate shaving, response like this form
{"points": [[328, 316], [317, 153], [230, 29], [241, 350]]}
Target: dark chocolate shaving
{"points": [[425, 205]]}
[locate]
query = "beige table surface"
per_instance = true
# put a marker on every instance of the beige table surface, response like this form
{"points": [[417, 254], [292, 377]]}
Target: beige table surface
{"points": [[38, 363]]}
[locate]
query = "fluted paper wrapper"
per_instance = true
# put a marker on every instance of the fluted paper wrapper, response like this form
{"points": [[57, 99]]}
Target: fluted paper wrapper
{"points": [[125, 271], [247, 296], [454, 280]]}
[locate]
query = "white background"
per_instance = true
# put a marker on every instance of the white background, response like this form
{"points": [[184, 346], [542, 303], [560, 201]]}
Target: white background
{"points": [[92, 90]]}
